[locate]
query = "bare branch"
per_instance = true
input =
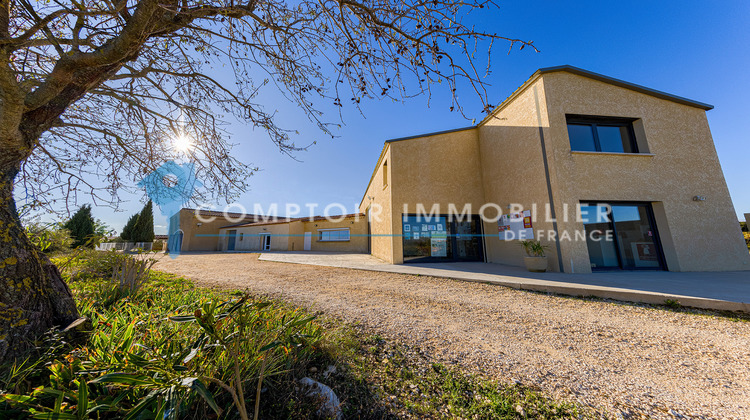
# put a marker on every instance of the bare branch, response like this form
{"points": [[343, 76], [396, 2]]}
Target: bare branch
{"points": [[97, 89]]}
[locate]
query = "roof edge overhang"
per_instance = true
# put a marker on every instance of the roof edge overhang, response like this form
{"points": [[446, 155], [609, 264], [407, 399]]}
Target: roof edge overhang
{"points": [[294, 220], [435, 133], [599, 77]]}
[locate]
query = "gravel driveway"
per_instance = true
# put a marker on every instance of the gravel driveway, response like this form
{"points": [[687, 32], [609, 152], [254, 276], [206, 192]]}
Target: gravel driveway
{"points": [[625, 359]]}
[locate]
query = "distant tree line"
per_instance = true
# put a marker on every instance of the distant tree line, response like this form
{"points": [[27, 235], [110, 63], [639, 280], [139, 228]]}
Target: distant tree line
{"points": [[140, 226], [81, 230]]}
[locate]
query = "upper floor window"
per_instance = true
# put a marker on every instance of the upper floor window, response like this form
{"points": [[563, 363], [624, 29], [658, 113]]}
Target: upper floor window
{"points": [[601, 134], [385, 173]]}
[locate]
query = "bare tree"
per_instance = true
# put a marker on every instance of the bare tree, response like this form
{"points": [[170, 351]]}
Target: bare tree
{"points": [[92, 92]]}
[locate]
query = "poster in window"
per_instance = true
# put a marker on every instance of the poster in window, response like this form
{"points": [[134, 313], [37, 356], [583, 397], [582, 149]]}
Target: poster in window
{"points": [[407, 235], [515, 226], [415, 235], [440, 227], [407, 228], [646, 251], [439, 246], [424, 228], [645, 254]]}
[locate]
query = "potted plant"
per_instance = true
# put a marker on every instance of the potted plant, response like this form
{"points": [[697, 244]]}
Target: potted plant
{"points": [[535, 260]]}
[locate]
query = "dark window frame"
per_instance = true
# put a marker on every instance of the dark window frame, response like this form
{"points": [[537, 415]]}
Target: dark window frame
{"points": [[595, 121], [450, 220], [654, 228]]}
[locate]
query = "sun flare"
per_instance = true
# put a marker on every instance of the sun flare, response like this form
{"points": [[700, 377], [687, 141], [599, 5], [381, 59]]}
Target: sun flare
{"points": [[182, 143]]}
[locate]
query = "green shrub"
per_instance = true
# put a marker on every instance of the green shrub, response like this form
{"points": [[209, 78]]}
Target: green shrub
{"points": [[50, 238], [90, 264], [127, 279], [158, 245], [533, 248], [82, 227], [671, 303], [172, 352]]}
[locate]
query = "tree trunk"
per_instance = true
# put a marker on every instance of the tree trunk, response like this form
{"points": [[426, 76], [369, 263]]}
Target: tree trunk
{"points": [[33, 295]]}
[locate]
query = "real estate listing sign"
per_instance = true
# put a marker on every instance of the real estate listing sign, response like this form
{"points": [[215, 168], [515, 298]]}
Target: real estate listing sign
{"points": [[514, 226], [439, 244]]}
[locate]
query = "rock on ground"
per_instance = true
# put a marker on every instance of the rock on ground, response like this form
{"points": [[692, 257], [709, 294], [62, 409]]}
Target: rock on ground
{"points": [[331, 406]]}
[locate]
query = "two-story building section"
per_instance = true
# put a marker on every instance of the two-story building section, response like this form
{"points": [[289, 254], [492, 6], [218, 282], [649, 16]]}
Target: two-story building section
{"points": [[613, 176]]}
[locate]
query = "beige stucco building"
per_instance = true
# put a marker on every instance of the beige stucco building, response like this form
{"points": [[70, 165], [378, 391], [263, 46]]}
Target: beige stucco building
{"points": [[346, 233], [567, 139], [605, 173], [198, 229]]}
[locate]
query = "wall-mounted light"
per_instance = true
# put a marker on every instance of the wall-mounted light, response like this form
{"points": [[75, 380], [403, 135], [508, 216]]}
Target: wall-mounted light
{"points": [[699, 198], [199, 224]]}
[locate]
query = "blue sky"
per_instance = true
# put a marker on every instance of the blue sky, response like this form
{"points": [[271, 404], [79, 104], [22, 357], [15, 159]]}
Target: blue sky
{"points": [[694, 49]]}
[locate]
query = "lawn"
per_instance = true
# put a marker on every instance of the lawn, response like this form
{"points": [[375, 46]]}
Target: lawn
{"points": [[167, 349]]}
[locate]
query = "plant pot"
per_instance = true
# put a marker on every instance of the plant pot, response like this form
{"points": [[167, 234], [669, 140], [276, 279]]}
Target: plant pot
{"points": [[536, 264]]}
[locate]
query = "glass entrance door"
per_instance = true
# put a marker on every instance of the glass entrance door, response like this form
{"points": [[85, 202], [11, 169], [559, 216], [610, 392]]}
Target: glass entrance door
{"points": [[231, 240], [599, 236], [425, 239], [440, 238], [468, 241], [636, 237], [265, 241], [621, 235]]}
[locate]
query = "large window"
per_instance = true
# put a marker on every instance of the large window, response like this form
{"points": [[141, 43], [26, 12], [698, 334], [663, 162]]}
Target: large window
{"points": [[621, 235], [441, 238], [601, 134], [333, 235]]}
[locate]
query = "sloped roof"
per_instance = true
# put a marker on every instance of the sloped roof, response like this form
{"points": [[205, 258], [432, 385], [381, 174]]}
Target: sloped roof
{"points": [[276, 221], [221, 213], [580, 72], [623, 84], [601, 78]]}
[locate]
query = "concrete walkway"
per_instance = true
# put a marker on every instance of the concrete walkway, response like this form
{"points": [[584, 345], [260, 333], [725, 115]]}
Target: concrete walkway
{"points": [[728, 291]]}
